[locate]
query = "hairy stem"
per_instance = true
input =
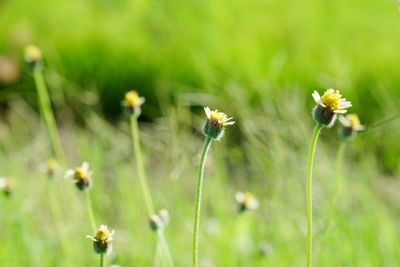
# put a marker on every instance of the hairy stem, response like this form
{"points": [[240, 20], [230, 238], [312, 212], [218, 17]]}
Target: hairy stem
{"points": [[47, 112], [314, 139], [200, 175]]}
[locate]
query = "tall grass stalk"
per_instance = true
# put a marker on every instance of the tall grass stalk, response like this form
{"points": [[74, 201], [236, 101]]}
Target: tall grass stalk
{"points": [[145, 187], [48, 116], [206, 147], [314, 139]]}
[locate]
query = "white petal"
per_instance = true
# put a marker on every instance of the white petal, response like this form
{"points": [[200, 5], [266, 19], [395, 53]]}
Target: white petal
{"points": [[359, 128], [91, 237], [229, 123], [141, 100], [316, 97], [207, 111], [253, 204], [239, 196], [340, 111], [3, 182], [69, 174], [344, 121], [85, 166]]}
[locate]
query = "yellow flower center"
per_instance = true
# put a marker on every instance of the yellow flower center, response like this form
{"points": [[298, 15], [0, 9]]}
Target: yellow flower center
{"points": [[353, 120], [103, 235], [248, 197], [132, 98], [219, 117], [52, 165], [81, 174], [32, 53], [331, 99]]}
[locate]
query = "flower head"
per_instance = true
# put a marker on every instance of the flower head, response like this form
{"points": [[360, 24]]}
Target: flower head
{"points": [[246, 201], [159, 221], [81, 176], [102, 240], [51, 168], [216, 123], [33, 55], [328, 106], [7, 185], [133, 102], [350, 125]]}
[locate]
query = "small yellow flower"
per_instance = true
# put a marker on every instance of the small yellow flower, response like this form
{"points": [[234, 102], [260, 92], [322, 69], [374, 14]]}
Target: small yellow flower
{"points": [[7, 185], [350, 125], [33, 55], [246, 201], [328, 106], [102, 240], [81, 176], [51, 168], [216, 123], [133, 102]]}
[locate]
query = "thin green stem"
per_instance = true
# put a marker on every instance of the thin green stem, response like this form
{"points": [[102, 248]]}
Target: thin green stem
{"points": [[89, 207], [47, 112], [140, 166], [56, 212], [165, 248], [144, 185], [200, 175], [314, 139], [101, 260]]}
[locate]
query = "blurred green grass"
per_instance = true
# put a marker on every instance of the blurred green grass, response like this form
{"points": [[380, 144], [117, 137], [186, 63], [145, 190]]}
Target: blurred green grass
{"points": [[256, 60]]}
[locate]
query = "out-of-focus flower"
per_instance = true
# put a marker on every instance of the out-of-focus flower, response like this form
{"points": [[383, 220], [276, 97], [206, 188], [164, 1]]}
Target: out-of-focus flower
{"points": [[81, 176], [7, 185], [133, 102], [328, 106], [102, 240], [266, 249], [216, 123], [246, 201], [159, 221], [51, 168], [9, 70], [350, 125], [33, 55]]}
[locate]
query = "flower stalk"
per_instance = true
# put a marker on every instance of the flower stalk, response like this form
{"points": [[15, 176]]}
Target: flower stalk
{"points": [[140, 165], [48, 116], [213, 129], [325, 114], [89, 207], [314, 140], [132, 104], [199, 189]]}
